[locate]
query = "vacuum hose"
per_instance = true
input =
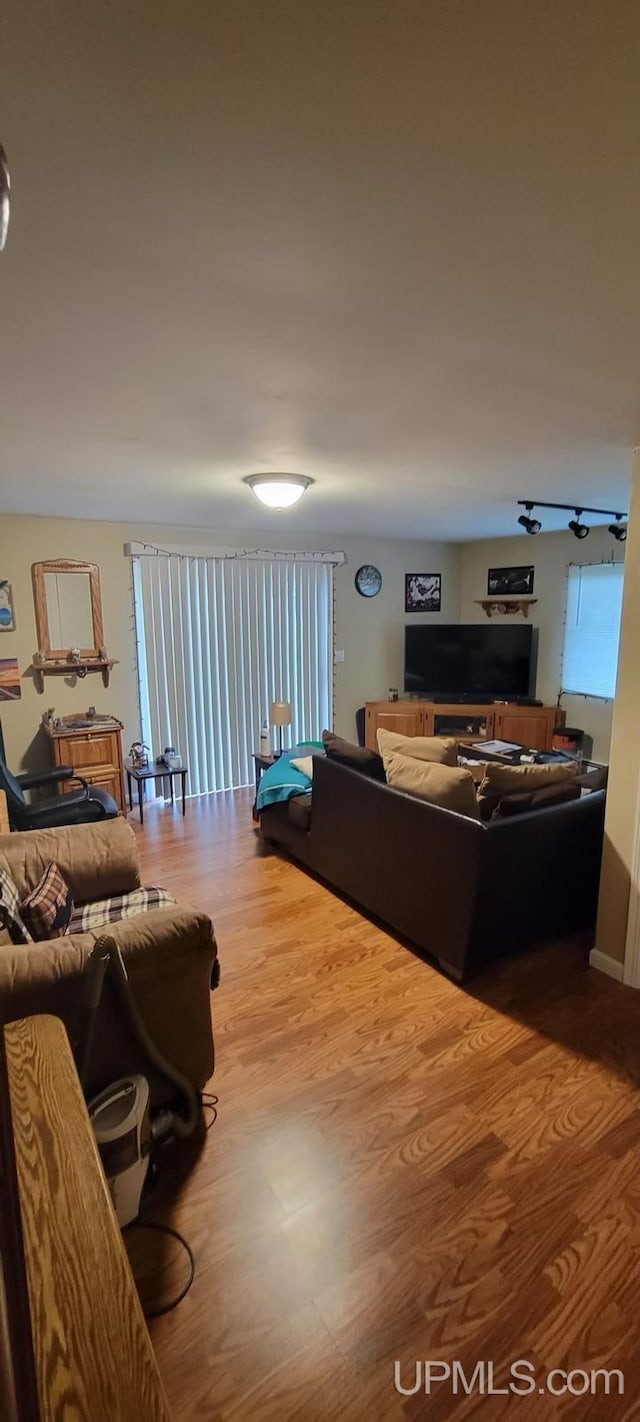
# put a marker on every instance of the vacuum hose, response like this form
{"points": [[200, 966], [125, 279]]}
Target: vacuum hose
{"points": [[105, 958]]}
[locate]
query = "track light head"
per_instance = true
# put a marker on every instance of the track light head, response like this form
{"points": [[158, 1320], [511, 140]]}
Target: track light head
{"points": [[530, 525], [578, 529], [618, 530]]}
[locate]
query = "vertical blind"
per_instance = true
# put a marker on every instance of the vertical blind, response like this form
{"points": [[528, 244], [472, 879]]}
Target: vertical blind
{"points": [[218, 639], [592, 631]]}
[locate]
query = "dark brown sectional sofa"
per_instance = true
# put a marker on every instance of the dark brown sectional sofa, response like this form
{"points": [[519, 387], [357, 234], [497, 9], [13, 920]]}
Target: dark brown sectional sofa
{"points": [[460, 890]]}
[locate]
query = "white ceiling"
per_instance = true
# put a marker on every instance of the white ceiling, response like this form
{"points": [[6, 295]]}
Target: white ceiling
{"points": [[393, 244]]}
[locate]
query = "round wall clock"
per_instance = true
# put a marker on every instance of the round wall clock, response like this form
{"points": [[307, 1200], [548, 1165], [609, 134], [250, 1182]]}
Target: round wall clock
{"points": [[368, 580]]}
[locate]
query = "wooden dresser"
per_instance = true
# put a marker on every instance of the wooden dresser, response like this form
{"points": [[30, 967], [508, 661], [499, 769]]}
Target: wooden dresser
{"points": [[94, 749], [531, 726]]}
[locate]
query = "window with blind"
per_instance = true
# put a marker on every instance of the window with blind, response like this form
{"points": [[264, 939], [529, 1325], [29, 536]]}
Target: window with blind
{"points": [[218, 639], [592, 630]]}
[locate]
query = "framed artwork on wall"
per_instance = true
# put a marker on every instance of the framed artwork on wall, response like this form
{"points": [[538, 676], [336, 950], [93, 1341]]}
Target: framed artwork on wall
{"points": [[505, 582], [10, 688], [422, 592], [7, 618]]}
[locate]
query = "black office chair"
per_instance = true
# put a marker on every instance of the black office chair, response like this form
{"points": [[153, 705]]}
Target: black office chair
{"points": [[79, 807]]}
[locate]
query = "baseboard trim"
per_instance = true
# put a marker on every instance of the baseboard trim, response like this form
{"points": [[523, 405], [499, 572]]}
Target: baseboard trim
{"points": [[605, 964]]}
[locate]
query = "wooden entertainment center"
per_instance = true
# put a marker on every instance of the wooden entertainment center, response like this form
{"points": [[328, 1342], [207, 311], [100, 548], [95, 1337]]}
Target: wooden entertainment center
{"points": [[531, 726]]}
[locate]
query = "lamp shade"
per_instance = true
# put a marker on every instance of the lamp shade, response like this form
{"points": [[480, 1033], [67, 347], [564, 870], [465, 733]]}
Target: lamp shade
{"points": [[280, 713]]}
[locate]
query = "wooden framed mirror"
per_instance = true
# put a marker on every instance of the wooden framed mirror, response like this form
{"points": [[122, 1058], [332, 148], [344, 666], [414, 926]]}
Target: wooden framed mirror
{"points": [[69, 623]]}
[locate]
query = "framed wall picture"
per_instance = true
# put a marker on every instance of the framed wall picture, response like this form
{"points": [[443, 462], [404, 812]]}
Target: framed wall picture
{"points": [[7, 618], [10, 688], [514, 582], [422, 592]]}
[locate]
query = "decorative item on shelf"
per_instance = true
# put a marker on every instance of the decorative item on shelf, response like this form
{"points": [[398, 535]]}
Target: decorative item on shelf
{"points": [[171, 758], [393, 693], [39, 659], [103, 654], [503, 607], [422, 592], [7, 617], [508, 582], [139, 754], [280, 715], [10, 688], [368, 580]]}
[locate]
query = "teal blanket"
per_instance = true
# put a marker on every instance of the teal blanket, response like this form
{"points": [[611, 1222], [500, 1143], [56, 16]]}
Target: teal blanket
{"points": [[281, 780]]}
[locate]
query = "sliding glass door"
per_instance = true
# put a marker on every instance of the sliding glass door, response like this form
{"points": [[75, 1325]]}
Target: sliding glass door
{"points": [[220, 638]]}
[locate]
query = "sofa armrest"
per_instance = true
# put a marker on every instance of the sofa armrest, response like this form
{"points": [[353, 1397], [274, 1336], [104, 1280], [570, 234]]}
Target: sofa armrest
{"points": [[97, 860], [168, 954]]}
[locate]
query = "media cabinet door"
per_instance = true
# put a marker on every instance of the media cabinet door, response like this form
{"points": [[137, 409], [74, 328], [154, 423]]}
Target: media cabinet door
{"points": [[526, 725], [406, 720]]}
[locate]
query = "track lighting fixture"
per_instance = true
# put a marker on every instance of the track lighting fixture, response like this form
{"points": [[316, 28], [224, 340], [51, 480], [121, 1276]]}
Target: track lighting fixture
{"points": [[578, 529], [530, 525], [618, 530]]}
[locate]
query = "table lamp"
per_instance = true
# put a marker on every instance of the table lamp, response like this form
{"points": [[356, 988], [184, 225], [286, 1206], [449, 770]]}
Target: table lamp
{"points": [[280, 715]]}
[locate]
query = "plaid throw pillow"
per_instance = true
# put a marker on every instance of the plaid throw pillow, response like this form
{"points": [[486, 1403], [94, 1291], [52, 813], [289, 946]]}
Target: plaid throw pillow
{"points": [[48, 908], [10, 916], [106, 911]]}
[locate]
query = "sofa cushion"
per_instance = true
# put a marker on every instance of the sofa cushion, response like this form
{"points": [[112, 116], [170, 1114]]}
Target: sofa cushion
{"points": [[440, 750], [299, 809], [502, 780], [368, 762], [11, 920], [106, 911], [448, 786], [48, 908], [522, 804]]}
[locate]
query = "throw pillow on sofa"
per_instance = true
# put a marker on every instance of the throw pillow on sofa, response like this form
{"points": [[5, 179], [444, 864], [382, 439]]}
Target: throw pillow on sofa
{"points": [[368, 762], [11, 920], [445, 785], [48, 908], [440, 750], [500, 780], [552, 795]]}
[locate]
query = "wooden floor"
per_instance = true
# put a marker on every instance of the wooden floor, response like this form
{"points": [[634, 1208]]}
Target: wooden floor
{"points": [[401, 1169]]}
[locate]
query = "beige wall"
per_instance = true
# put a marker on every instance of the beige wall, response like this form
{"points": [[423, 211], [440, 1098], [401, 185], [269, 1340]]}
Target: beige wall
{"points": [[551, 554], [624, 773], [369, 631]]}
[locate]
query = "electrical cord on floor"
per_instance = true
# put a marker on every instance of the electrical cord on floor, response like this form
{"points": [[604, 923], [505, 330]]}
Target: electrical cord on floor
{"points": [[173, 1234], [210, 1101]]}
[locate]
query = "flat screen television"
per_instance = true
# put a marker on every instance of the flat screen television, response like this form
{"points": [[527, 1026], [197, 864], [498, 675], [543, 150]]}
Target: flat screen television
{"points": [[468, 661]]}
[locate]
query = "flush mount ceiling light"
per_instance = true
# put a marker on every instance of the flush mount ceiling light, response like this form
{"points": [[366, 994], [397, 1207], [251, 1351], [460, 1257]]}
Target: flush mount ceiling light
{"points": [[579, 530], [278, 491]]}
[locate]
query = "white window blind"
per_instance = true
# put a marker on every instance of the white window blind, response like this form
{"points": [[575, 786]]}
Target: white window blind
{"points": [[219, 639], [592, 631]]}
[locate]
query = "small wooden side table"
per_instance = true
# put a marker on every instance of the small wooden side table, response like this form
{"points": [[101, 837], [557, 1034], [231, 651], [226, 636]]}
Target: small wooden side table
{"points": [[261, 762], [156, 772]]}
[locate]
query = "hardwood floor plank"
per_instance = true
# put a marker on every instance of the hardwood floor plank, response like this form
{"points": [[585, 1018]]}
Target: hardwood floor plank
{"points": [[401, 1168]]}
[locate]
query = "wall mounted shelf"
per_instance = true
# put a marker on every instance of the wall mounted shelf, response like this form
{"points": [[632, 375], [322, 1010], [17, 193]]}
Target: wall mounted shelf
{"points": [[66, 668], [503, 606]]}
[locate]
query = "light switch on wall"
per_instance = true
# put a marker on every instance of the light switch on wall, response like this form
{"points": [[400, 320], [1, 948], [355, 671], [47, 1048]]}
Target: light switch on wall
{"points": [[338, 656]]}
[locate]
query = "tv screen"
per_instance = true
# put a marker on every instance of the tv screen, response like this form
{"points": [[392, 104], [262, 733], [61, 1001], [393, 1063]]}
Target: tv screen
{"points": [[468, 661]]}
